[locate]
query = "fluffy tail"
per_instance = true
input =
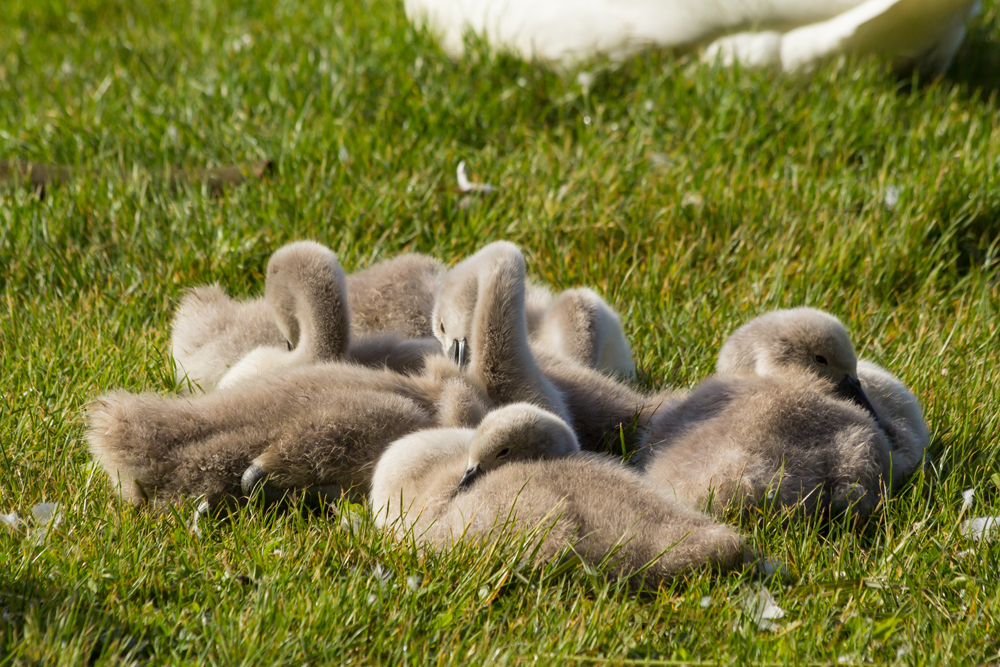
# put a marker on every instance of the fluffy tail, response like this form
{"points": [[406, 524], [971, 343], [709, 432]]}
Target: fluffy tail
{"points": [[128, 445]]}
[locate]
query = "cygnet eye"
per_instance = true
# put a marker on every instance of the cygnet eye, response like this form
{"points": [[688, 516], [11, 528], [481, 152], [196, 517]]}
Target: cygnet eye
{"points": [[820, 359], [442, 327], [289, 344], [503, 452]]}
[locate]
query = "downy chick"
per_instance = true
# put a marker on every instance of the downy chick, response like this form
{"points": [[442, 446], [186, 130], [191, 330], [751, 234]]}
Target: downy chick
{"points": [[513, 474], [595, 404], [305, 292], [784, 419], [212, 333], [405, 472], [480, 307], [796, 338]]}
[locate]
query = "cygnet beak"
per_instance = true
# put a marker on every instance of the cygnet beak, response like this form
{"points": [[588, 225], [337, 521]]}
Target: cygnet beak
{"points": [[457, 353], [470, 476], [850, 389]]}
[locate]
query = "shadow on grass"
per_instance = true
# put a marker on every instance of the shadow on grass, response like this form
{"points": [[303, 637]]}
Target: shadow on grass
{"points": [[55, 617], [977, 66], [972, 230]]}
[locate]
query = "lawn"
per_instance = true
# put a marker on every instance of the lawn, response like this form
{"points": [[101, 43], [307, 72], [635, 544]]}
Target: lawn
{"points": [[692, 198]]}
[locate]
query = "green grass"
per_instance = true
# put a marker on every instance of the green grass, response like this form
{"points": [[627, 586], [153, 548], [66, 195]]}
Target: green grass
{"points": [[692, 198]]}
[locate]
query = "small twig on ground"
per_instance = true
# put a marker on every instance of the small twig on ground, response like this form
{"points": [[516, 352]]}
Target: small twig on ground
{"points": [[40, 177]]}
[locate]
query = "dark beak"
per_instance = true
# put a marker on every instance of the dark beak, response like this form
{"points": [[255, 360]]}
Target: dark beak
{"points": [[470, 476], [850, 389], [457, 353]]}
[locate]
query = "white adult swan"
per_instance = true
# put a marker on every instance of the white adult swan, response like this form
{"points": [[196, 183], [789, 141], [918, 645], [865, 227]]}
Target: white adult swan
{"points": [[790, 33]]}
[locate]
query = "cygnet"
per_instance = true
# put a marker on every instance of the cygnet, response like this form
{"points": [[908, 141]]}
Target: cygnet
{"points": [[441, 486], [305, 291], [580, 325], [795, 338], [308, 429], [516, 432], [785, 419], [316, 427], [793, 341], [491, 283], [214, 335], [480, 307]]}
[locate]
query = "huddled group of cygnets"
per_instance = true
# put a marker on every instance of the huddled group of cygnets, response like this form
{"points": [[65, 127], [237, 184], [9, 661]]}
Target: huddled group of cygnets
{"points": [[468, 403]]}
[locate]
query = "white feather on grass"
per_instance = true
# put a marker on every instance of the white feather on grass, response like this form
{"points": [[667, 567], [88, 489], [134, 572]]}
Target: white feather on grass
{"points": [[465, 185]]}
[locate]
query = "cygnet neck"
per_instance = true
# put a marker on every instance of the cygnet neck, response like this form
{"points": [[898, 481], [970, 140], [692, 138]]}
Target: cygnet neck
{"points": [[306, 291], [501, 357], [499, 328]]}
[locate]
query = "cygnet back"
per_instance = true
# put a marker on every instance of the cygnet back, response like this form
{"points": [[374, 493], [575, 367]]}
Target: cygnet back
{"points": [[395, 295], [321, 425], [581, 326], [591, 504], [754, 440]]}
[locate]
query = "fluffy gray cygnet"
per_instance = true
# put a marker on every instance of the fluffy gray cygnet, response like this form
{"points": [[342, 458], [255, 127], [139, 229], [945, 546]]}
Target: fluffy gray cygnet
{"points": [[217, 339], [481, 302], [779, 340], [519, 470], [516, 432], [302, 426], [579, 325], [305, 291], [787, 418], [595, 404]]}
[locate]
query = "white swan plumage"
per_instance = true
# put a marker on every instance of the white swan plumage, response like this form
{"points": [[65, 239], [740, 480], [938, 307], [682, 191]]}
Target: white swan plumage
{"points": [[792, 34]]}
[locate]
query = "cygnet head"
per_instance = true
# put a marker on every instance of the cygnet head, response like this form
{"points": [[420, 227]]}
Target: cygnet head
{"points": [[455, 306], [517, 432], [796, 340]]}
